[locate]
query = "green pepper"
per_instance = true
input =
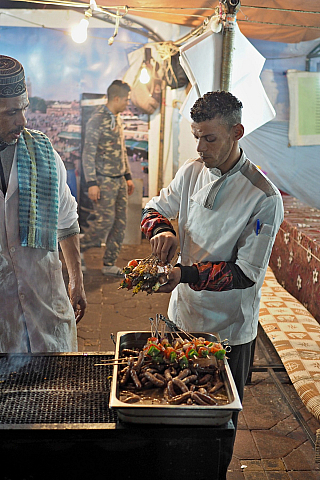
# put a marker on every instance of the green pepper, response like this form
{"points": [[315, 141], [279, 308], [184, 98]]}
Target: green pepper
{"points": [[220, 354], [191, 352], [203, 352], [183, 361], [172, 357], [157, 359], [153, 350]]}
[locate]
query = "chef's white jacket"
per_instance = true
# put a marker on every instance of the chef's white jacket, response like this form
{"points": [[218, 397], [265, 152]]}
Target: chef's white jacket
{"points": [[234, 218], [35, 312]]}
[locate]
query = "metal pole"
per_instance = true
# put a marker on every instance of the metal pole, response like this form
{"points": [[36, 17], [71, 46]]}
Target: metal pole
{"points": [[229, 8], [161, 134]]}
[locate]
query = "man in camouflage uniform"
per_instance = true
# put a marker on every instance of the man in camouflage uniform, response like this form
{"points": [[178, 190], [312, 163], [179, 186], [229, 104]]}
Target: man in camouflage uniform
{"points": [[108, 177]]}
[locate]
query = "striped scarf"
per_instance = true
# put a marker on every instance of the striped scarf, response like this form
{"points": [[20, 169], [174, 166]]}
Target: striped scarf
{"points": [[38, 191]]}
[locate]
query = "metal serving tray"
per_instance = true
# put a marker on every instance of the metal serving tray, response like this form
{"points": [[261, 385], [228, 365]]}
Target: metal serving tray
{"points": [[171, 414]]}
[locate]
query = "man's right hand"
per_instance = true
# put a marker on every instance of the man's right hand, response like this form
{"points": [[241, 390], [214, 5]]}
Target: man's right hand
{"points": [[164, 246], [94, 193]]}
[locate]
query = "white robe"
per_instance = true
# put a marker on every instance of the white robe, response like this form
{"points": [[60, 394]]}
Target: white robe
{"points": [[35, 311]]}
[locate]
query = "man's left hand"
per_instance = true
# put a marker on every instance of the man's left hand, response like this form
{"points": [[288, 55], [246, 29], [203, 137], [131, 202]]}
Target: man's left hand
{"points": [[130, 186], [174, 278]]}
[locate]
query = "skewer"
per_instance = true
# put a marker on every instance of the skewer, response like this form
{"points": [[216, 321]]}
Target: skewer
{"points": [[107, 364], [119, 361], [162, 329], [174, 328], [153, 333]]}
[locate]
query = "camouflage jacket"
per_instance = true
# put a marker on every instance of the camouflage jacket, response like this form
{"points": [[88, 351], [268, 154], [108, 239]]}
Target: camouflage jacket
{"points": [[104, 151]]}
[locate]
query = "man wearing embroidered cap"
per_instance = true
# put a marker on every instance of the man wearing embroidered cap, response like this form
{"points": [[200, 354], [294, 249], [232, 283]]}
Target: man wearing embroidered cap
{"points": [[37, 211]]}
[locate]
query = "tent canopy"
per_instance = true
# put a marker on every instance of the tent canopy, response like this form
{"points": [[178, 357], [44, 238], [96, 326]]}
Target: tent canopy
{"points": [[274, 20]]}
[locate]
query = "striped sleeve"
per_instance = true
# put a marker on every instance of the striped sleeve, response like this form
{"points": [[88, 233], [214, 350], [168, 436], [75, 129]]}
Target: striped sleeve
{"points": [[153, 222], [217, 277]]}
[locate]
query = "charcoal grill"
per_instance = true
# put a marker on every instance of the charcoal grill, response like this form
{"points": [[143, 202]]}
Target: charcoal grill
{"points": [[54, 412], [61, 389]]}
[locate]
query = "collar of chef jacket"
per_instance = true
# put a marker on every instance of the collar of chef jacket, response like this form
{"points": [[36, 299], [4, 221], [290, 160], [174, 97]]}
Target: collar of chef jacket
{"points": [[217, 184]]}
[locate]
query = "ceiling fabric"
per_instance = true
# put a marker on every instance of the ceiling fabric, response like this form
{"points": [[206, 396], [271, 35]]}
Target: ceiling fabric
{"points": [[273, 20]]}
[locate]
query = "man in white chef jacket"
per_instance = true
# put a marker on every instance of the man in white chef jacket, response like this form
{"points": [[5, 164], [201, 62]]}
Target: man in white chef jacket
{"points": [[229, 214], [37, 211]]}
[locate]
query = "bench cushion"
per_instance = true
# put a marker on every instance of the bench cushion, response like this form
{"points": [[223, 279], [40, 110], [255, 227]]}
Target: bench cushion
{"points": [[295, 335]]}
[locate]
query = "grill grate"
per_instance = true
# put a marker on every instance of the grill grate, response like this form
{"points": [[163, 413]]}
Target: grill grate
{"points": [[55, 389]]}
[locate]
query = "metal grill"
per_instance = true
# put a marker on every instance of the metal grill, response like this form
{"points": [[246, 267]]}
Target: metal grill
{"points": [[61, 388]]}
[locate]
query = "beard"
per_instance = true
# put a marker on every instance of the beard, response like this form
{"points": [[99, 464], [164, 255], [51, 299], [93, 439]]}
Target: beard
{"points": [[4, 144]]}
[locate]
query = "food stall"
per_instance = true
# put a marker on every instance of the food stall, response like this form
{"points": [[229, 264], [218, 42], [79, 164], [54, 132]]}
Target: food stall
{"points": [[55, 408]]}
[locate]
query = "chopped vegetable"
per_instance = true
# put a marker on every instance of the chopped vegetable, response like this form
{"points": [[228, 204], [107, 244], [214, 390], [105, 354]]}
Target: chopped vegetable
{"points": [[146, 275], [133, 263], [203, 352], [220, 354], [183, 361], [126, 283], [170, 354], [154, 350], [191, 352]]}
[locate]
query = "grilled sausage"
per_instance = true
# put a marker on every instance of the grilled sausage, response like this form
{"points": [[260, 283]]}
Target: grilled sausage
{"points": [[205, 379], [178, 399], [171, 390], [139, 362], [167, 375], [190, 379], [206, 398], [156, 381], [130, 352], [184, 373], [216, 387], [132, 399], [196, 398], [135, 378], [126, 372], [179, 383], [160, 377]]}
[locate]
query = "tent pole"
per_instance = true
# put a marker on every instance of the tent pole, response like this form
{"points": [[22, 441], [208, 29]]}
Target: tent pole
{"points": [[161, 134], [229, 8]]}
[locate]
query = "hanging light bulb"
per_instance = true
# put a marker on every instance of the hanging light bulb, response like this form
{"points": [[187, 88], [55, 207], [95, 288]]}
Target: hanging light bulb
{"points": [[79, 33], [144, 74]]}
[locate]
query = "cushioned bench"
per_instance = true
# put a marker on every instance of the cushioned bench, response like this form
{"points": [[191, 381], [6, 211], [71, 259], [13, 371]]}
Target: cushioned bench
{"points": [[295, 334]]}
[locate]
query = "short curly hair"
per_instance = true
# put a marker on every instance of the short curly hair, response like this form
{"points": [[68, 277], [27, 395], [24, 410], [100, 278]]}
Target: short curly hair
{"points": [[217, 104]]}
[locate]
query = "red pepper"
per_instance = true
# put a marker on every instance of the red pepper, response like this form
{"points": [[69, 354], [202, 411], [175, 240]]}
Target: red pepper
{"points": [[191, 352], [168, 351], [203, 352], [170, 354], [215, 347]]}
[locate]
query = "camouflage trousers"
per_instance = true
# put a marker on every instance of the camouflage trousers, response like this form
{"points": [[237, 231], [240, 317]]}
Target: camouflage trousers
{"points": [[108, 220]]}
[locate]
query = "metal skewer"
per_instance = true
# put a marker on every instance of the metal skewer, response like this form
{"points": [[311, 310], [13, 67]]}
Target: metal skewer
{"points": [[116, 361]]}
